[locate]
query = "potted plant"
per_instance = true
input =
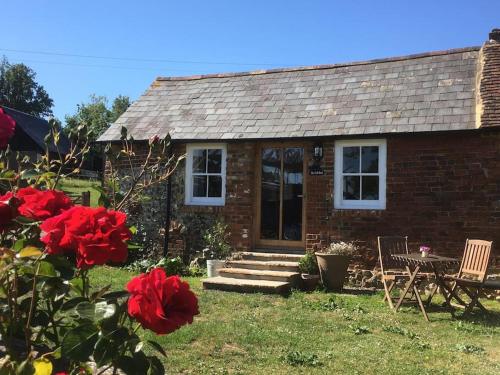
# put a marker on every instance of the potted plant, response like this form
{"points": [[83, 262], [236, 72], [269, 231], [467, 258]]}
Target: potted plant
{"points": [[333, 262], [216, 239], [425, 251], [309, 272]]}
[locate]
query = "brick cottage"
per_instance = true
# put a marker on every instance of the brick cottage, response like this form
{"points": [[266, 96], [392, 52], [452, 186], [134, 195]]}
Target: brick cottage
{"points": [[295, 158]]}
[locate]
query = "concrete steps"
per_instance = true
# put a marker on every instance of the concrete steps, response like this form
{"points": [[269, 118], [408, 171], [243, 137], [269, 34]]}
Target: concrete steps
{"points": [[270, 256], [264, 265], [246, 286], [243, 273], [259, 271]]}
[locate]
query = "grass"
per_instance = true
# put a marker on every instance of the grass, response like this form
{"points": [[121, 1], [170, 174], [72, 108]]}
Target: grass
{"points": [[322, 333], [75, 187]]}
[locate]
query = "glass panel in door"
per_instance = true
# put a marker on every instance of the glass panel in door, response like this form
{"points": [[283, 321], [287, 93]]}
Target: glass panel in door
{"points": [[293, 175], [270, 193]]}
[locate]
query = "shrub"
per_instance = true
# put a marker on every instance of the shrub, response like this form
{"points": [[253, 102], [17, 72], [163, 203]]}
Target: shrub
{"points": [[172, 266], [216, 240], [308, 264], [341, 248]]}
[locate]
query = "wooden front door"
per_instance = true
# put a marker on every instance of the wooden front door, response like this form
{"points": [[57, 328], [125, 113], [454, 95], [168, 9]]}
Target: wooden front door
{"points": [[281, 195]]}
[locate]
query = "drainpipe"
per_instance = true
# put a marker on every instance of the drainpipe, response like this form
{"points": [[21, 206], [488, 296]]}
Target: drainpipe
{"points": [[169, 205]]}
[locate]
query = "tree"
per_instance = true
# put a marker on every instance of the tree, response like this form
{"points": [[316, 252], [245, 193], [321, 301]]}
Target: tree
{"points": [[96, 115], [19, 90], [120, 105]]}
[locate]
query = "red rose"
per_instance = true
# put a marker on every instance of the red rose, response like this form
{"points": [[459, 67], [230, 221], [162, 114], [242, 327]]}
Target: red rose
{"points": [[95, 235], [40, 205], [160, 303], [7, 127], [8, 211]]}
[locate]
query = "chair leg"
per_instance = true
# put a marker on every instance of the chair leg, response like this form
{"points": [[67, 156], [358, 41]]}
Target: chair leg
{"points": [[431, 295], [408, 285], [389, 289], [387, 295], [453, 294], [474, 296], [420, 303]]}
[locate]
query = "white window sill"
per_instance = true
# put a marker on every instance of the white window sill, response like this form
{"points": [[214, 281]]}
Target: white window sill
{"points": [[205, 203], [359, 207]]}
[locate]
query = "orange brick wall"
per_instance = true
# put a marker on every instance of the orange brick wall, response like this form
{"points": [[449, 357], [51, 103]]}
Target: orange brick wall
{"points": [[441, 190]]}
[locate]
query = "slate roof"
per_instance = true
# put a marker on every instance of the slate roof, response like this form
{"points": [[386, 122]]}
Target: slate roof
{"points": [[35, 128], [426, 92]]}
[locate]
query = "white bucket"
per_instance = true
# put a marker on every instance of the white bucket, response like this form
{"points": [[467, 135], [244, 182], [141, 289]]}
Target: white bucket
{"points": [[213, 267]]}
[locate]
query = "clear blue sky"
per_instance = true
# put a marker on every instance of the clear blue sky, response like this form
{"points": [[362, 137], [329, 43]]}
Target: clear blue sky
{"points": [[264, 34]]}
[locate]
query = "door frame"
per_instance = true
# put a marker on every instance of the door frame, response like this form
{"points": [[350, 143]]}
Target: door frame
{"points": [[258, 189]]}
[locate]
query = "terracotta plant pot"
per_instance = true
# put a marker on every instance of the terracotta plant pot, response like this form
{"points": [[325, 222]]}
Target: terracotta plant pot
{"points": [[309, 282], [333, 270]]}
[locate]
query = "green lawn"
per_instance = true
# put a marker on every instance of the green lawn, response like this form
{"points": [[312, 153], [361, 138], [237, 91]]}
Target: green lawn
{"points": [[322, 333], [75, 187]]}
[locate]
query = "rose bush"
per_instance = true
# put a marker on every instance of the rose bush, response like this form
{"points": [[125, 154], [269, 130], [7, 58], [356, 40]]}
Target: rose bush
{"points": [[161, 303], [51, 319]]}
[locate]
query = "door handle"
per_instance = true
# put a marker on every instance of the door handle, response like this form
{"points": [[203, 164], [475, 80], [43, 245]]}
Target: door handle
{"points": [[300, 196]]}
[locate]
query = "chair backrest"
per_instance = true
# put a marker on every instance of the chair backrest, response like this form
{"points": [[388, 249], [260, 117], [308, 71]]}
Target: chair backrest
{"points": [[476, 259], [389, 245]]}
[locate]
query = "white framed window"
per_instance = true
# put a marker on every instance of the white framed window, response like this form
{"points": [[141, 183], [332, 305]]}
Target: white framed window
{"points": [[360, 174], [205, 174]]}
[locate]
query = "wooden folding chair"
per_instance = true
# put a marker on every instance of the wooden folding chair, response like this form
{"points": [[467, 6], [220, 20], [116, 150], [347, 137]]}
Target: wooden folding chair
{"points": [[391, 270], [471, 277]]}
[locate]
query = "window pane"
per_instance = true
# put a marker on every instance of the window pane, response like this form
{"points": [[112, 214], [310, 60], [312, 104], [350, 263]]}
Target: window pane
{"points": [[199, 186], [351, 187], [369, 159], [293, 173], [215, 186], [270, 193], [199, 161], [350, 159], [370, 188], [214, 161]]}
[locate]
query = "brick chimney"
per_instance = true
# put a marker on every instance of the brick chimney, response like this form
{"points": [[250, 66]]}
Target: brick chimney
{"points": [[488, 82]]}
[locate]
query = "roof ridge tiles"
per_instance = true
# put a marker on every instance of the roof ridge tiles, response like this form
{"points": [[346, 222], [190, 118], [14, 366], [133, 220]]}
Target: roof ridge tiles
{"points": [[321, 67]]}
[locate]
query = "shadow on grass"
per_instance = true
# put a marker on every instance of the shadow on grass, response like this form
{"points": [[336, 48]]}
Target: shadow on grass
{"points": [[488, 319]]}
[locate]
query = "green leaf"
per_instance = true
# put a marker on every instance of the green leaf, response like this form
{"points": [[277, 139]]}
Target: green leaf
{"points": [[105, 350], [29, 251], [19, 244], [70, 304], [155, 366], [115, 295], [95, 312], [47, 269], [127, 364], [62, 265], [133, 229], [157, 347], [78, 343], [99, 293], [77, 285]]}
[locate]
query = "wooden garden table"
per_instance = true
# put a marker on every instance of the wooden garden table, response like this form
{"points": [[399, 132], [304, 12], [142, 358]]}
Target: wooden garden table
{"points": [[413, 263]]}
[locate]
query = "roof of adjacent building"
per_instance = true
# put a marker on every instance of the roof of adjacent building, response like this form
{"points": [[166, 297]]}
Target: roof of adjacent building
{"points": [[35, 128], [426, 92]]}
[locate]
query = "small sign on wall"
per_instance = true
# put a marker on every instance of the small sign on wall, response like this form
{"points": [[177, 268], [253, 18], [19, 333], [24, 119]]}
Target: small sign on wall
{"points": [[316, 171]]}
